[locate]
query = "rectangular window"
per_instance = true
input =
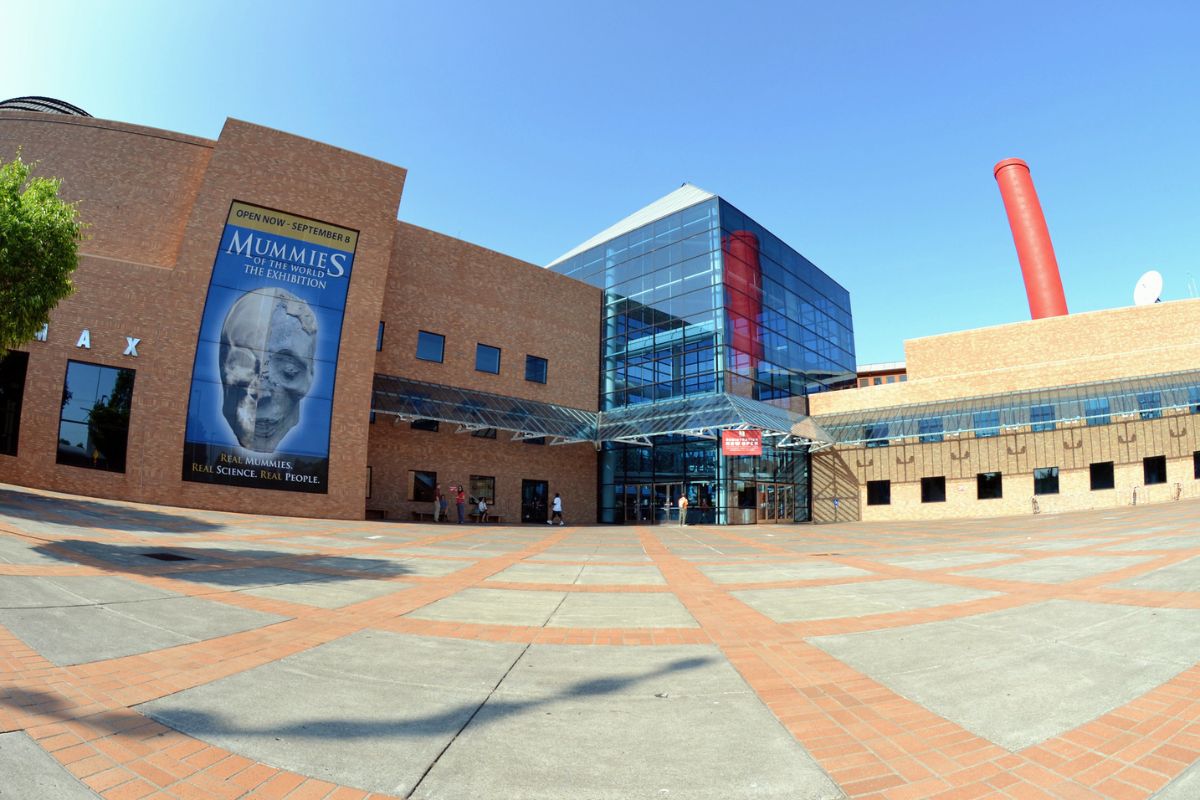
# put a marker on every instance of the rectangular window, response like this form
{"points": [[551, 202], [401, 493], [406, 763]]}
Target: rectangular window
{"points": [[879, 493], [933, 490], [484, 433], [1096, 410], [538, 440], [1194, 399], [431, 346], [483, 486], [1196, 465], [930, 429], [379, 338], [877, 381], [1102, 475], [1042, 417], [425, 425], [876, 435], [1154, 470], [986, 423], [12, 390], [1045, 480], [989, 486], [487, 358], [421, 485], [1150, 405], [535, 369], [93, 428], [370, 478]]}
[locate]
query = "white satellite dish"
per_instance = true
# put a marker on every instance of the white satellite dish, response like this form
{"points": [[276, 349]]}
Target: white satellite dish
{"points": [[1148, 289]]}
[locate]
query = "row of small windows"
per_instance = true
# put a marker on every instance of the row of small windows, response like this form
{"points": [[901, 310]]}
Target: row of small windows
{"points": [[879, 380], [990, 485], [432, 347], [433, 426], [985, 424]]}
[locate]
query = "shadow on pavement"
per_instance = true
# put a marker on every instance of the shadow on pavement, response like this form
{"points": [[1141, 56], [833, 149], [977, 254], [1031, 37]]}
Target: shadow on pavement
{"points": [[95, 514]]}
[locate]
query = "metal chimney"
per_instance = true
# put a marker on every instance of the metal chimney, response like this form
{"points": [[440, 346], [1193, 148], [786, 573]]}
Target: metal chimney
{"points": [[1043, 286]]}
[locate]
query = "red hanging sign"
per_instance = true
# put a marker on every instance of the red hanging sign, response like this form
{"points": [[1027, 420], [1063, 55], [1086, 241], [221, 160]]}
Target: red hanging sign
{"points": [[741, 443]]}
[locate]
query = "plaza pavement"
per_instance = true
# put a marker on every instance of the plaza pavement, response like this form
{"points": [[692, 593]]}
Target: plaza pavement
{"points": [[164, 652]]}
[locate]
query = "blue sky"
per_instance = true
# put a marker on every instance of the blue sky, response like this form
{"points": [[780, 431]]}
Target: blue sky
{"points": [[862, 133]]}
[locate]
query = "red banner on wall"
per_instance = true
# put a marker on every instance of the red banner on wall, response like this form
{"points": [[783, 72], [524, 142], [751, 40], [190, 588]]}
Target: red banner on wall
{"points": [[741, 443]]}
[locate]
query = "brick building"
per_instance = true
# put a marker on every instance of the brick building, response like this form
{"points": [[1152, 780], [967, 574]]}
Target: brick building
{"points": [[1064, 413]]}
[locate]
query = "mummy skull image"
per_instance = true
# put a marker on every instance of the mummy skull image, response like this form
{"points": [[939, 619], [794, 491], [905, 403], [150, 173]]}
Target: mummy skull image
{"points": [[267, 346]]}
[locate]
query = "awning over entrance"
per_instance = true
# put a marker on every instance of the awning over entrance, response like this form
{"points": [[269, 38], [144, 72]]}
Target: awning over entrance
{"points": [[707, 416], [472, 411], [704, 416]]}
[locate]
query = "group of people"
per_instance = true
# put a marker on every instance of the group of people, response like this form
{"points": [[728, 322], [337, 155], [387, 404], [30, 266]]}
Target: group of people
{"points": [[441, 505]]}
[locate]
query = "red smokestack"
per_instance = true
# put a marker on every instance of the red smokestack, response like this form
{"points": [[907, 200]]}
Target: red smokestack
{"points": [[1043, 286]]}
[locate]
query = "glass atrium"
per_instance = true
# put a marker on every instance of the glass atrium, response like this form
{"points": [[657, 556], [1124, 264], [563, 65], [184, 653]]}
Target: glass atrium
{"points": [[702, 302]]}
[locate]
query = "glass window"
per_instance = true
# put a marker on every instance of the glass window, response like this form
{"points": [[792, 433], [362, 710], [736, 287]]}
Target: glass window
{"points": [[487, 358], [1194, 399], [933, 490], [877, 381], [1042, 418], [930, 429], [12, 390], [483, 486], [1045, 480], [1154, 470], [538, 440], [93, 428], [879, 493], [1196, 465], [421, 485], [424, 425], [379, 338], [989, 486], [1150, 404], [986, 423], [484, 433], [430, 346], [1102, 475], [1096, 410], [876, 435], [535, 369]]}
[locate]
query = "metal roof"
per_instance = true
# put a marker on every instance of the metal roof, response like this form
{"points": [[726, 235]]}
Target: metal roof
{"points": [[685, 196], [1096, 403], [472, 411], [703, 416]]}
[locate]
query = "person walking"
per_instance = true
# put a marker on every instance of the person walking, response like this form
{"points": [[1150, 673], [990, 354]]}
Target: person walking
{"points": [[460, 500], [556, 510], [437, 502], [683, 507]]}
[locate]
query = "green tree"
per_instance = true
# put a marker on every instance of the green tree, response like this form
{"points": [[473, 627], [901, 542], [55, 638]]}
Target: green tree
{"points": [[39, 247]]}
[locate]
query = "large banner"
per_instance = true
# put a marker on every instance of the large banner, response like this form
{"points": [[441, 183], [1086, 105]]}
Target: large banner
{"points": [[262, 382], [741, 443]]}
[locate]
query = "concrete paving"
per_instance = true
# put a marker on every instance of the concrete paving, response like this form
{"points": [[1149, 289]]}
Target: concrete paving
{"points": [[1007, 658]]}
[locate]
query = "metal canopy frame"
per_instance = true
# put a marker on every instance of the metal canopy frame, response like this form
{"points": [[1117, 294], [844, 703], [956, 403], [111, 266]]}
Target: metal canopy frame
{"points": [[703, 416], [408, 400], [1096, 403]]}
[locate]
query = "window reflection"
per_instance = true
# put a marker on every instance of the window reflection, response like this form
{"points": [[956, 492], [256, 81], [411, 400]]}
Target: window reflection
{"points": [[93, 429]]}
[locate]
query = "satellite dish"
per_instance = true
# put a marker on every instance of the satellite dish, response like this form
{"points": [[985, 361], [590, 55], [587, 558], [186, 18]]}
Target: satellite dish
{"points": [[1148, 289]]}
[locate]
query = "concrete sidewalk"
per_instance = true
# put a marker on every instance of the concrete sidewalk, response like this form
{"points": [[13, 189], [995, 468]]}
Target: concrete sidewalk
{"points": [[161, 652]]}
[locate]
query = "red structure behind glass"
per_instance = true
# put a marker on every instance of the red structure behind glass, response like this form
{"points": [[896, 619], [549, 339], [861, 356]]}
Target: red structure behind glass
{"points": [[743, 293]]}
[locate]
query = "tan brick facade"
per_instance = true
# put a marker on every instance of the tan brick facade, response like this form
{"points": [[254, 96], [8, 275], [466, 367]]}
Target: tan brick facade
{"points": [[1041, 354], [156, 203]]}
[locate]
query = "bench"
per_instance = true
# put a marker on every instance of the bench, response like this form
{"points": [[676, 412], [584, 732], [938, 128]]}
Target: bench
{"points": [[420, 516], [489, 517], [376, 513]]}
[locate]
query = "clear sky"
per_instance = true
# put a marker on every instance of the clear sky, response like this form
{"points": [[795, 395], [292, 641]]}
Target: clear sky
{"points": [[862, 133]]}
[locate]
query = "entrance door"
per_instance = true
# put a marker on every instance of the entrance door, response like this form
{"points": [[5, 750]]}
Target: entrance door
{"points": [[776, 502], [533, 500], [666, 502]]}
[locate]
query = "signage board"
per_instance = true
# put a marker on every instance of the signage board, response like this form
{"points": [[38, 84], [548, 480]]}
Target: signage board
{"points": [[741, 443], [261, 398]]}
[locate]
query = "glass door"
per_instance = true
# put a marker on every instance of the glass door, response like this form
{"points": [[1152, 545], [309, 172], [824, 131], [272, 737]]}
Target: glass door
{"points": [[533, 500]]}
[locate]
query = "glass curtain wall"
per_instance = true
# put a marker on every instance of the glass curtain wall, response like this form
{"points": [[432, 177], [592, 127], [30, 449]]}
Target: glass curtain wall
{"points": [[699, 302]]}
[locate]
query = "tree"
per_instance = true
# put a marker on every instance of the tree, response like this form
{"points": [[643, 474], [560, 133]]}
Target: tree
{"points": [[39, 246]]}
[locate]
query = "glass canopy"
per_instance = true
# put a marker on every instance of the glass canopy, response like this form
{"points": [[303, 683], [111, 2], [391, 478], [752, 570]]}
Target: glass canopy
{"points": [[986, 415], [472, 411]]}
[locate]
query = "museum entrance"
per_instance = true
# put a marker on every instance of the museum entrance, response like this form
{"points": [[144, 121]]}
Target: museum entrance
{"points": [[652, 503], [776, 503]]}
